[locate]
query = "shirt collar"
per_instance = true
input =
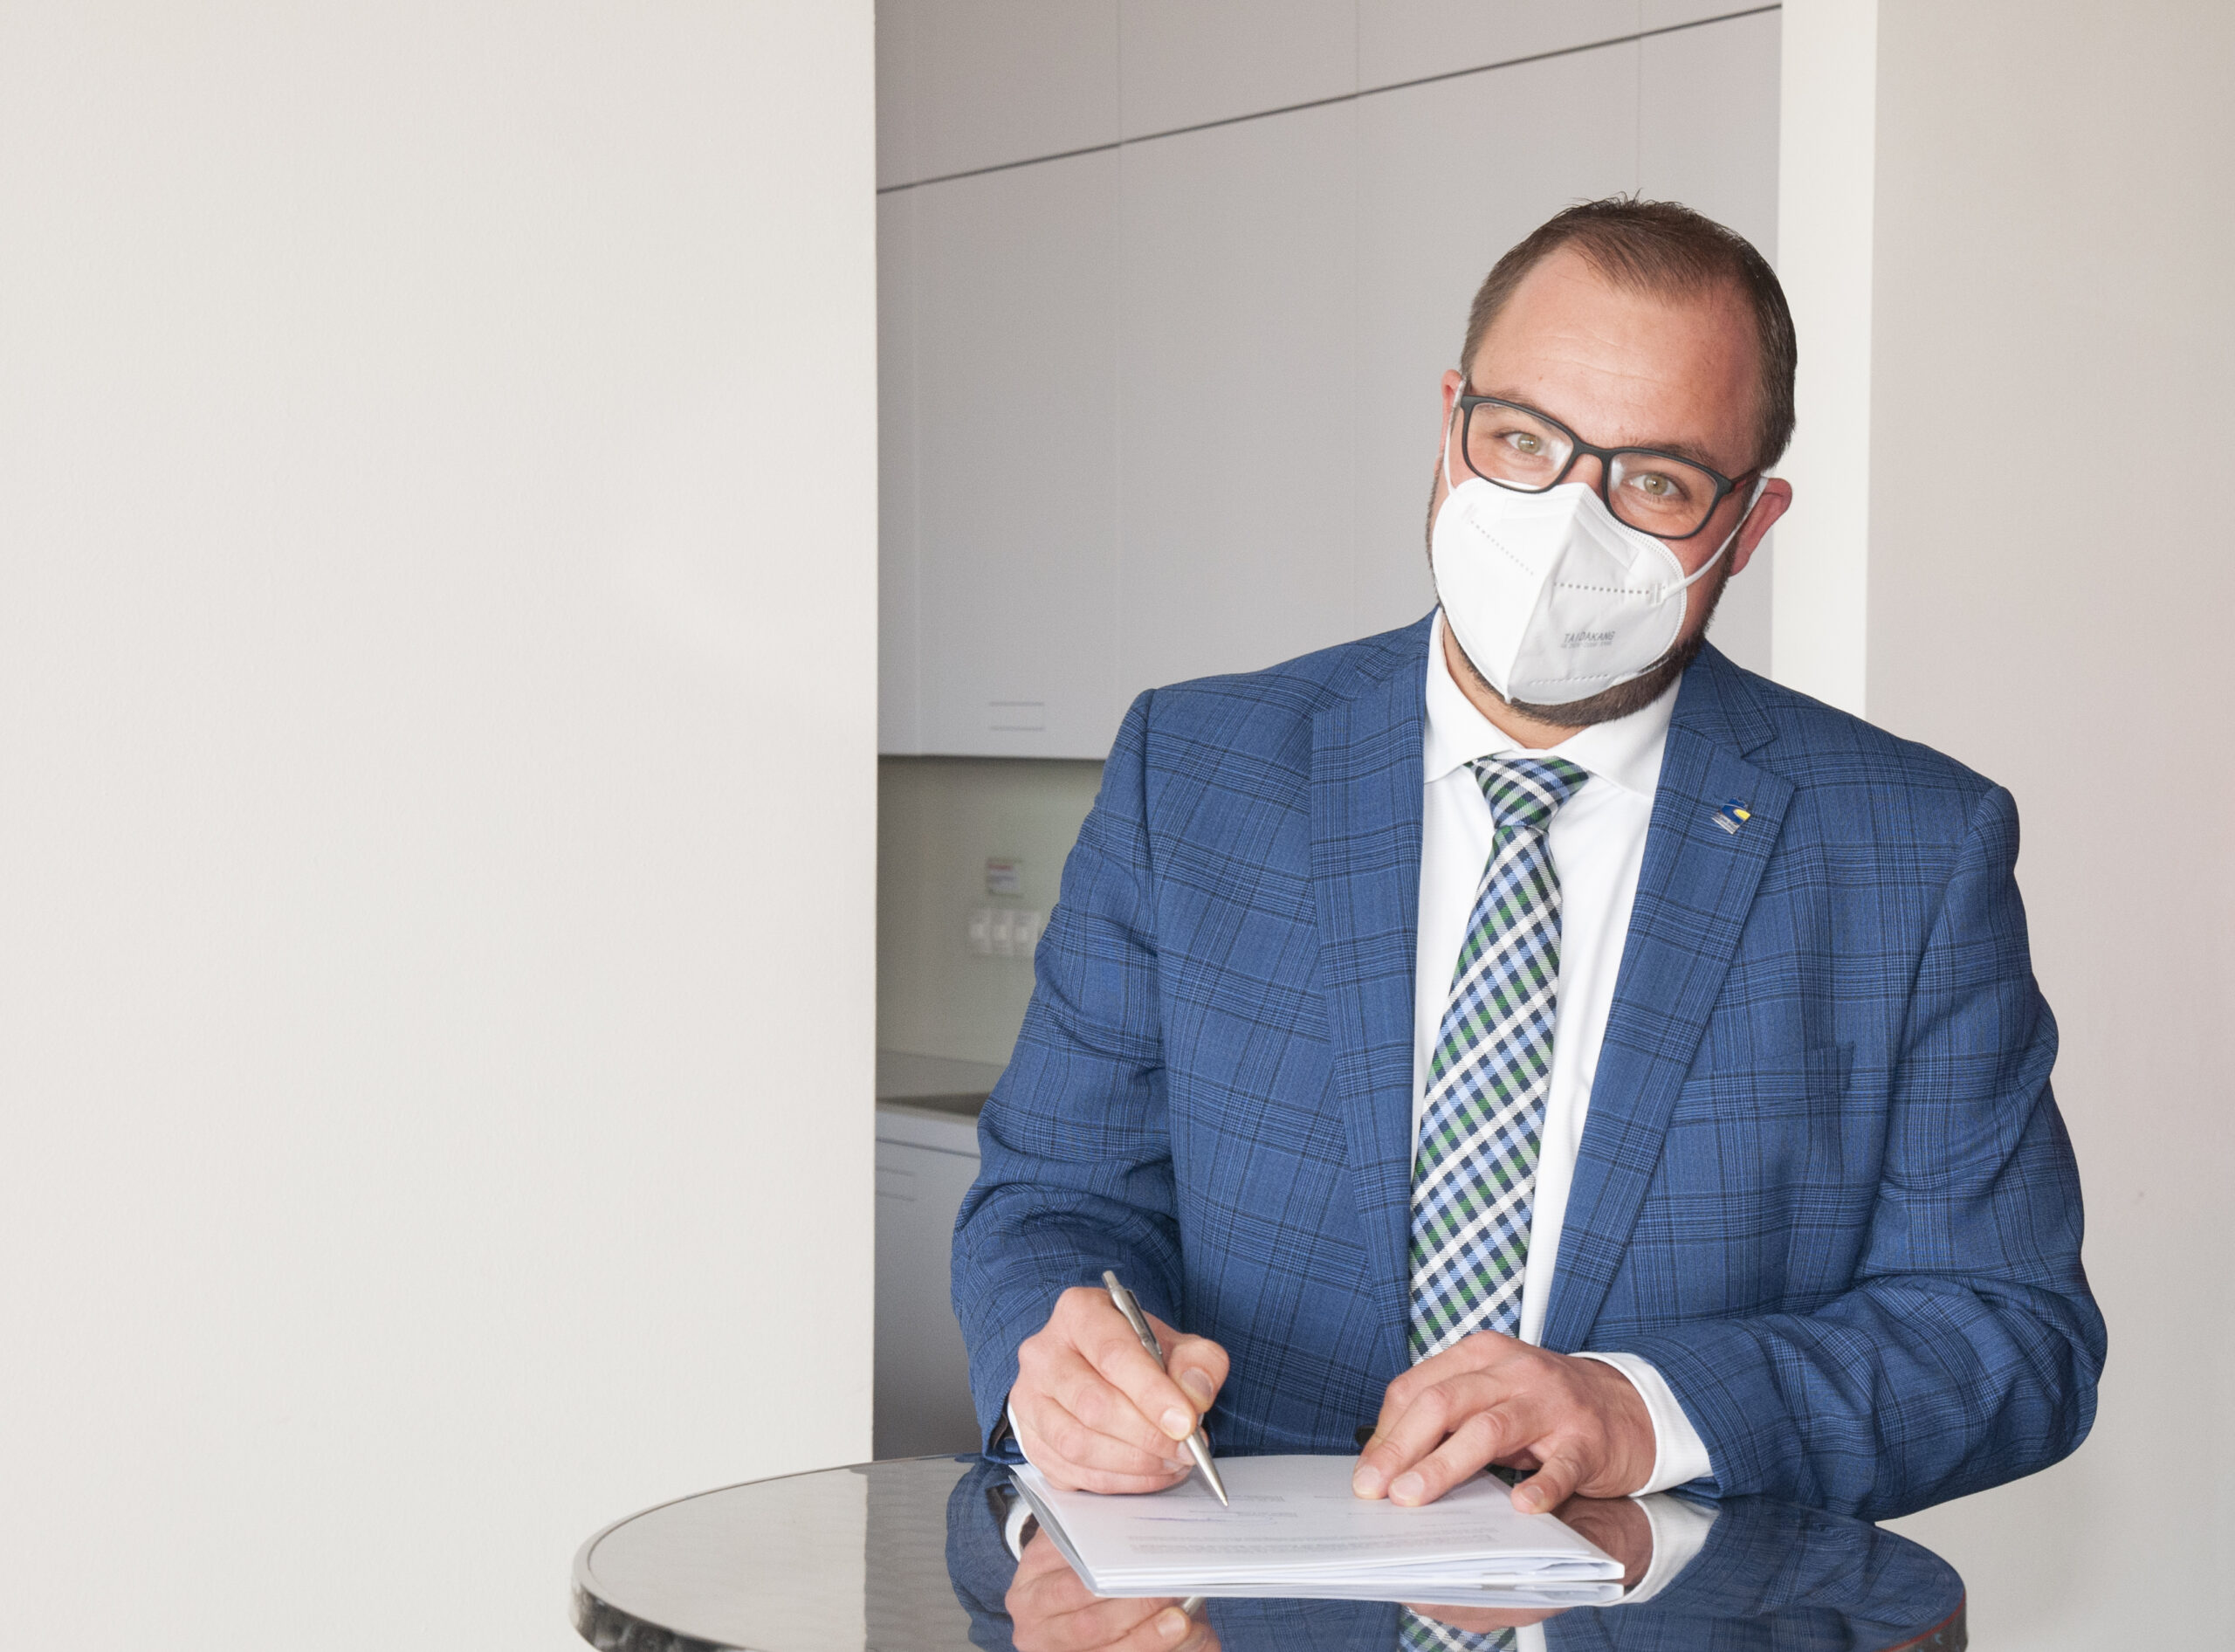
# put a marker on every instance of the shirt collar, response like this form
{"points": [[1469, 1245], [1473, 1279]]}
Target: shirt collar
{"points": [[1625, 752]]}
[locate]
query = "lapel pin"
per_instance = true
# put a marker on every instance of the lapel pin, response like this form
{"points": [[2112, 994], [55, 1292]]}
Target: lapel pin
{"points": [[1732, 815]]}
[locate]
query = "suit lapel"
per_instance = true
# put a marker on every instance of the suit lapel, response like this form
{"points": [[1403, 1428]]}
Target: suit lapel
{"points": [[1694, 890], [1366, 876]]}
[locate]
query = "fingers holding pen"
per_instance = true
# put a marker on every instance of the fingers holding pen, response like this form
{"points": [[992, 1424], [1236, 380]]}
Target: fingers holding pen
{"points": [[1109, 1345], [1077, 1456], [1197, 1364], [1101, 1399], [1094, 1408]]}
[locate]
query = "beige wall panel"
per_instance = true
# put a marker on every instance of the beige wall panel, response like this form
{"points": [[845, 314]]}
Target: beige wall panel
{"points": [[2053, 567]]}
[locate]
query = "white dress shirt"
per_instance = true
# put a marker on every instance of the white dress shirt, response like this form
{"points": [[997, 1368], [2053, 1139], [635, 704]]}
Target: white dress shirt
{"points": [[1597, 844]]}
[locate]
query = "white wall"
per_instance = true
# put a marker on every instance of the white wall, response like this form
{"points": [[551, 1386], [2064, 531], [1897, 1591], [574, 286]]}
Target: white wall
{"points": [[1826, 210], [2050, 567], [436, 797]]}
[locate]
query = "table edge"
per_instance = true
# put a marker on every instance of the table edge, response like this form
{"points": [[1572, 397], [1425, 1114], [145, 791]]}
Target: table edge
{"points": [[593, 1611], [624, 1631]]}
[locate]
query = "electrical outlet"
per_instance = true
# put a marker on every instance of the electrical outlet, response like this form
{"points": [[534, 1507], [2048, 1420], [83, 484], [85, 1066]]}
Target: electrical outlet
{"points": [[1003, 931]]}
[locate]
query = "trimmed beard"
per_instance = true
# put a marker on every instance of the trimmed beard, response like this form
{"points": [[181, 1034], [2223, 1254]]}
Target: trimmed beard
{"points": [[1607, 703]]}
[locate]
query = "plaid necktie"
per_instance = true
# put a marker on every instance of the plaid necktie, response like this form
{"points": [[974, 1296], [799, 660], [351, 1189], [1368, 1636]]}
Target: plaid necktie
{"points": [[1475, 1173], [1417, 1633]]}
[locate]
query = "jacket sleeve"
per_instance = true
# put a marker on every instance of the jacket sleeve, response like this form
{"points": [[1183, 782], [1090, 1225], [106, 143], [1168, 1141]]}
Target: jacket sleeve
{"points": [[1967, 1350], [1076, 1164]]}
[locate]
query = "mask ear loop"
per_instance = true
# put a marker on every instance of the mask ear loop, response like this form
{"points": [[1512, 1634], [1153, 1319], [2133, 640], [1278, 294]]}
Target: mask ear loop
{"points": [[1450, 486], [1700, 573]]}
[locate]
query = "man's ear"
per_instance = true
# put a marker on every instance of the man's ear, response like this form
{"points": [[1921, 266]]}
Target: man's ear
{"points": [[1777, 498]]}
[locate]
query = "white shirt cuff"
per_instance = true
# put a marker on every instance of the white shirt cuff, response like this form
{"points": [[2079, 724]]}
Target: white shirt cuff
{"points": [[1017, 1434], [1679, 1454], [1021, 1513], [1679, 1531]]}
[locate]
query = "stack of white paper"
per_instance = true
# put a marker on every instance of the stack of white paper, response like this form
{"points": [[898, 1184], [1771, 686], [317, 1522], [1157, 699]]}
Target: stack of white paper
{"points": [[1295, 1530]]}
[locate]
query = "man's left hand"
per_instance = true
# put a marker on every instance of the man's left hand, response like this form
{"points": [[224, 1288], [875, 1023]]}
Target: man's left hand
{"points": [[1579, 1424], [1616, 1525]]}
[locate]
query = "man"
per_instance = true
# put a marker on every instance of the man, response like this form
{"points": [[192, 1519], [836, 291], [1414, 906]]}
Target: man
{"points": [[1528, 1037]]}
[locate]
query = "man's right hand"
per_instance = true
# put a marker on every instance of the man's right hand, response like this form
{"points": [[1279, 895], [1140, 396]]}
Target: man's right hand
{"points": [[1092, 1411]]}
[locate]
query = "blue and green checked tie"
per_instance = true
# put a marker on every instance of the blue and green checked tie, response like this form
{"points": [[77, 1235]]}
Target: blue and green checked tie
{"points": [[1475, 1171], [1417, 1633]]}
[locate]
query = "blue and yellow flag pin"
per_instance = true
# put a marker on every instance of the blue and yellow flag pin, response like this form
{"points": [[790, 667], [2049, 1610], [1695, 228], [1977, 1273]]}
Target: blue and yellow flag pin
{"points": [[1732, 815]]}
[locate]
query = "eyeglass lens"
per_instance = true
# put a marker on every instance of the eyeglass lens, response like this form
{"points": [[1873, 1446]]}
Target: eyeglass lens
{"points": [[1652, 492]]}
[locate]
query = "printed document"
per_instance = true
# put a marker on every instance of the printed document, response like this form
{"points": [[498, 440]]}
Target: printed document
{"points": [[1295, 1530]]}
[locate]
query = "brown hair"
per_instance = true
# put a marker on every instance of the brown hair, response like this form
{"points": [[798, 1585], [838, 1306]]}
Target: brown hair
{"points": [[1662, 248]]}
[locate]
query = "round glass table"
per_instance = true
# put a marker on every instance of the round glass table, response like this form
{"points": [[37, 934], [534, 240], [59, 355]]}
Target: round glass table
{"points": [[922, 1555]]}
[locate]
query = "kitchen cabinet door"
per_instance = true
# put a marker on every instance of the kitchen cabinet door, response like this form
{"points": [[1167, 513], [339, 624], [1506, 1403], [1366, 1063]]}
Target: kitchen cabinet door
{"points": [[1451, 175], [922, 1394], [1017, 518], [1237, 402]]}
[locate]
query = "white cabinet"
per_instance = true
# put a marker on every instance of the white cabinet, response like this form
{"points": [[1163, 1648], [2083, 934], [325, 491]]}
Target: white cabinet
{"points": [[1169, 408], [1670, 14], [900, 593], [1452, 174], [963, 85], [1186, 62], [1237, 338], [925, 1162], [1016, 466], [1728, 168], [1401, 40]]}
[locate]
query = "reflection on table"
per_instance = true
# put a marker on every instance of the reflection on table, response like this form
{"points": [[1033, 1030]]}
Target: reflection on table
{"points": [[922, 1556]]}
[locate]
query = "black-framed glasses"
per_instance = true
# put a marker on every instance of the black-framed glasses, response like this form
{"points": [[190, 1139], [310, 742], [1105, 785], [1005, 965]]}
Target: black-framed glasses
{"points": [[1655, 492]]}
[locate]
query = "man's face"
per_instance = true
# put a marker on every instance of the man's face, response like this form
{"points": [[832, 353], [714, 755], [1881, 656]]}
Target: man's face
{"points": [[1630, 370]]}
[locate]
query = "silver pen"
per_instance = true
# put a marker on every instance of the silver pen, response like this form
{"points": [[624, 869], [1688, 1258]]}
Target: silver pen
{"points": [[1198, 1447]]}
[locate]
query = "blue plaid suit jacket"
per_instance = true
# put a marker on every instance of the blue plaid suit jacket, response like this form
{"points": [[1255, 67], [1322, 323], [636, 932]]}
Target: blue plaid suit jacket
{"points": [[1823, 1185]]}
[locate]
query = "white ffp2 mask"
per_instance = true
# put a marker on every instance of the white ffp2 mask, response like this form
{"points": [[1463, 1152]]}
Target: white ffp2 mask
{"points": [[1551, 595]]}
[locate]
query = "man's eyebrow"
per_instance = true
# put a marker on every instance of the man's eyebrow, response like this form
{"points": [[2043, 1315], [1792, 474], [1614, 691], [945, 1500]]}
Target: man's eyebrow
{"points": [[1679, 449], [1683, 450]]}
